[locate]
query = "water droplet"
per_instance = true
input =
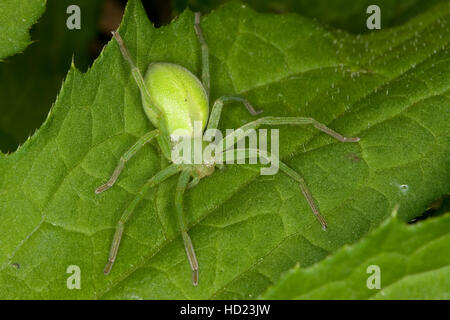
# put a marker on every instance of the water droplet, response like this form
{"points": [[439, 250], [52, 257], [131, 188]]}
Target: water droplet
{"points": [[404, 188]]}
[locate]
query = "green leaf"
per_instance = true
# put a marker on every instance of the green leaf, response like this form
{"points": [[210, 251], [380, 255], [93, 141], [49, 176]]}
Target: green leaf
{"points": [[29, 82], [16, 18], [391, 88], [412, 263]]}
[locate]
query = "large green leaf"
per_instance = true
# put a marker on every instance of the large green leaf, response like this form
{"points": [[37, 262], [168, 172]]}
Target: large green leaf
{"points": [[391, 88], [16, 18], [412, 260]]}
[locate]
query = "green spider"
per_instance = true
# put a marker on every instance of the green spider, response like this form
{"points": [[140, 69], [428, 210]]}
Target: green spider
{"points": [[173, 98]]}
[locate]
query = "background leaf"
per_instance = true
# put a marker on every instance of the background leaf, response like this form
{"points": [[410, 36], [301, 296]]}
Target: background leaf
{"points": [[16, 18], [391, 88], [29, 82], [411, 261]]}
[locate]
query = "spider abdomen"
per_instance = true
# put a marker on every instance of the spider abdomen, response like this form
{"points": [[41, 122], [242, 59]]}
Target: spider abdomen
{"points": [[179, 95]]}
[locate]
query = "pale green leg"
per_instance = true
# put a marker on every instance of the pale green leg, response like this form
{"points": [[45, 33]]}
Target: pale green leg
{"points": [[291, 173], [154, 112], [292, 121], [156, 179], [218, 104], [193, 183], [137, 76], [216, 111], [181, 187], [205, 53], [289, 121], [305, 190], [127, 156]]}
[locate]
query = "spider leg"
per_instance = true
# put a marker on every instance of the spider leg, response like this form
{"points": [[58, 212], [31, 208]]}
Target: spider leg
{"points": [[156, 179], [237, 135], [193, 182], [127, 156], [205, 53], [246, 153], [288, 121], [218, 106], [305, 190], [156, 114], [183, 182]]}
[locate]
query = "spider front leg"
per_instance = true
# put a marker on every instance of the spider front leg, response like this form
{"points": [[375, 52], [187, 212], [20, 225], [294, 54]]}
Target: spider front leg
{"points": [[156, 179], [155, 113], [181, 187], [289, 121], [205, 53], [193, 183], [127, 156]]}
